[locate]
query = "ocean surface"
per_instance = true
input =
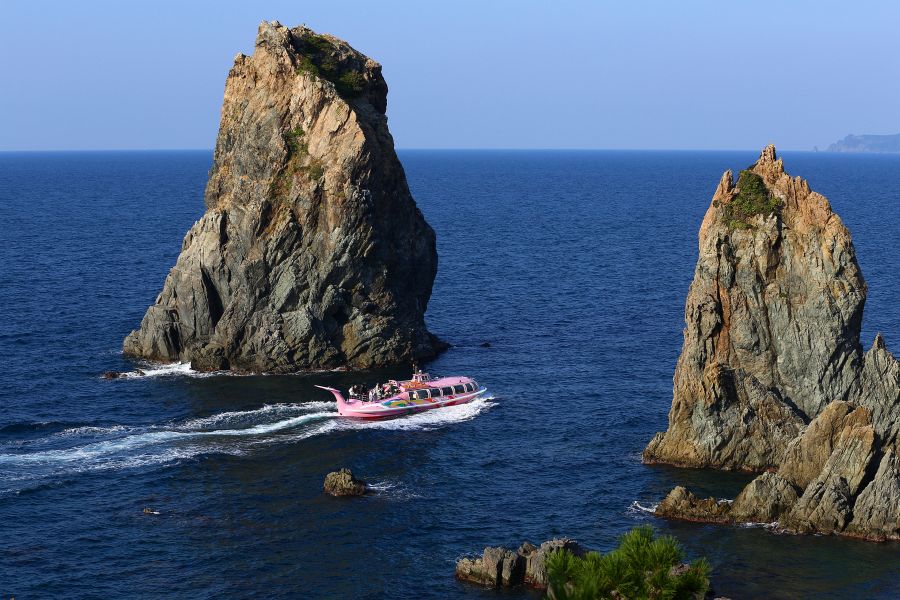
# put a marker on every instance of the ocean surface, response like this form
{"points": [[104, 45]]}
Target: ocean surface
{"points": [[573, 266]]}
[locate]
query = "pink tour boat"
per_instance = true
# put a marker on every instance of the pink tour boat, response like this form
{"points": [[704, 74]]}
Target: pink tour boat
{"points": [[396, 398]]}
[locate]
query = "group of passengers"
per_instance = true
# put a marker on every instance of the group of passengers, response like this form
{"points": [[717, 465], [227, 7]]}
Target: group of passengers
{"points": [[379, 392]]}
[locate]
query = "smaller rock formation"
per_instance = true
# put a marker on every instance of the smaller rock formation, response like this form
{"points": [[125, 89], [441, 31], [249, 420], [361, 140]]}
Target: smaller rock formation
{"points": [[112, 375], [832, 480], [501, 567], [343, 483]]}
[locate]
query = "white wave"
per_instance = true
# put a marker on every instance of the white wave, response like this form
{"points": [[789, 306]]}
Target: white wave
{"points": [[175, 369], [93, 430], [252, 415], [231, 432], [754, 525], [394, 490], [149, 438], [637, 507]]}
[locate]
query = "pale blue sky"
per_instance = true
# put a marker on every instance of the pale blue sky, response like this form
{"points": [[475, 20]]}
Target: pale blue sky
{"points": [[103, 74]]}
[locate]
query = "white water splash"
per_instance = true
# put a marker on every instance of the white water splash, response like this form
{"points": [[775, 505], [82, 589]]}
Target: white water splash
{"points": [[165, 370], [637, 507], [183, 369]]}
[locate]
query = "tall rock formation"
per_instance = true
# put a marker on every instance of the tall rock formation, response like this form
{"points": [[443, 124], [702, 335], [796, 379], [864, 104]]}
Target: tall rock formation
{"points": [[772, 375], [312, 253]]}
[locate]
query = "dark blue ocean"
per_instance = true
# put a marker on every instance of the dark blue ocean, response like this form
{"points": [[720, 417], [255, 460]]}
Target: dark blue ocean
{"points": [[573, 266]]}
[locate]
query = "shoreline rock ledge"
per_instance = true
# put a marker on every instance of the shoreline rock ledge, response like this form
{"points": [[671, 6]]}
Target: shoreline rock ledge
{"points": [[772, 376], [312, 254]]}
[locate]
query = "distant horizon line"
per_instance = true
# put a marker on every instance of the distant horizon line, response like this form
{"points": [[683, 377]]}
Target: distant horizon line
{"points": [[439, 149]]}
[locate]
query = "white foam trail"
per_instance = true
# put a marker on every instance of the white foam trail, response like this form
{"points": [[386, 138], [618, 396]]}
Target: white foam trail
{"points": [[92, 430], [268, 409], [149, 438], [132, 447], [392, 489]]}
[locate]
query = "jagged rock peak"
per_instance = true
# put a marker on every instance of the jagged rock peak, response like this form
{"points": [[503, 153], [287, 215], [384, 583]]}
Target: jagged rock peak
{"points": [[312, 253], [772, 374]]}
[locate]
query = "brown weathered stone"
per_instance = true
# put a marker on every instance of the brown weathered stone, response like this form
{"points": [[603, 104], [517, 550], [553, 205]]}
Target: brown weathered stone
{"points": [[771, 343], [312, 253], [501, 567], [343, 483], [682, 504]]}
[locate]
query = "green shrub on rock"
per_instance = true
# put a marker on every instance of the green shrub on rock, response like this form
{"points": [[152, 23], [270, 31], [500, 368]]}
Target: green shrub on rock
{"points": [[753, 198], [643, 566], [320, 58]]}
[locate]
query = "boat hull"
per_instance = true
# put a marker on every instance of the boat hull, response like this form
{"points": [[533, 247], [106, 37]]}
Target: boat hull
{"points": [[396, 407]]}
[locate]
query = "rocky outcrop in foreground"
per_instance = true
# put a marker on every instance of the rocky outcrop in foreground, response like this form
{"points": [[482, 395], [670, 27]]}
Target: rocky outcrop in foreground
{"points": [[772, 376], [312, 253], [501, 567], [504, 568], [343, 483]]}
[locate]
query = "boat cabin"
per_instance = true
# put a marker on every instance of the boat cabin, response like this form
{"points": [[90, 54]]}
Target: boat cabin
{"points": [[437, 392]]}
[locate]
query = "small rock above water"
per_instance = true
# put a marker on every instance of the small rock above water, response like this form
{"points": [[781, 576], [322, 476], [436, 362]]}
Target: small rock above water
{"points": [[343, 483], [502, 567]]}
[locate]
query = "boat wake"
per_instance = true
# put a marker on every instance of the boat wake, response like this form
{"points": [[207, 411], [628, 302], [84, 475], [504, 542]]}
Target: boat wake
{"points": [[88, 448]]}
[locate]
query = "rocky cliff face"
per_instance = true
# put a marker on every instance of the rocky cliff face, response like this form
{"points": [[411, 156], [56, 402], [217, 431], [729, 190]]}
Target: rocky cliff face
{"points": [[312, 253], [772, 375]]}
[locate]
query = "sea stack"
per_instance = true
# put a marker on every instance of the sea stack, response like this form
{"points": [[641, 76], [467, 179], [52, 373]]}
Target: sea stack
{"points": [[312, 254], [772, 376]]}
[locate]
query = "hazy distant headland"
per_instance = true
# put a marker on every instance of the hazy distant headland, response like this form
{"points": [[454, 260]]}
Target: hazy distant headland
{"points": [[867, 143]]}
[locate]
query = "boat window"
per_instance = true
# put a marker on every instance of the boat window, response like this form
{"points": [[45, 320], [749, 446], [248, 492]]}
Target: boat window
{"points": [[474, 385], [421, 394], [435, 392], [447, 391], [410, 395], [459, 389], [469, 387]]}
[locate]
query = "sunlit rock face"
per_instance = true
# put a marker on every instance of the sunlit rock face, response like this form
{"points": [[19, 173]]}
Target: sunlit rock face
{"points": [[312, 253], [772, 375]]}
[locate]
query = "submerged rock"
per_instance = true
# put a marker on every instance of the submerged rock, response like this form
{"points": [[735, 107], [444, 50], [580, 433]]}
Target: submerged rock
{"points": [[772, 375], [343, 483], [312, 253]]}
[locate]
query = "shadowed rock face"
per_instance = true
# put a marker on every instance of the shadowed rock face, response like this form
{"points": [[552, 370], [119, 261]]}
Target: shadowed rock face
{"points": [[312, 253], [772, 374]]}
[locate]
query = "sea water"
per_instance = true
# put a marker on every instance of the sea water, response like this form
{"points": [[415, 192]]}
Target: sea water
{"points": [[572, 266]]}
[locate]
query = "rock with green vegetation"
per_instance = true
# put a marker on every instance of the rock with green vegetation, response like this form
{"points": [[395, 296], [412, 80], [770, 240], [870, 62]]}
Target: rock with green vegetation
{"points": [[643, 566], [772, 375], [312, 254], [751, 198]]}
